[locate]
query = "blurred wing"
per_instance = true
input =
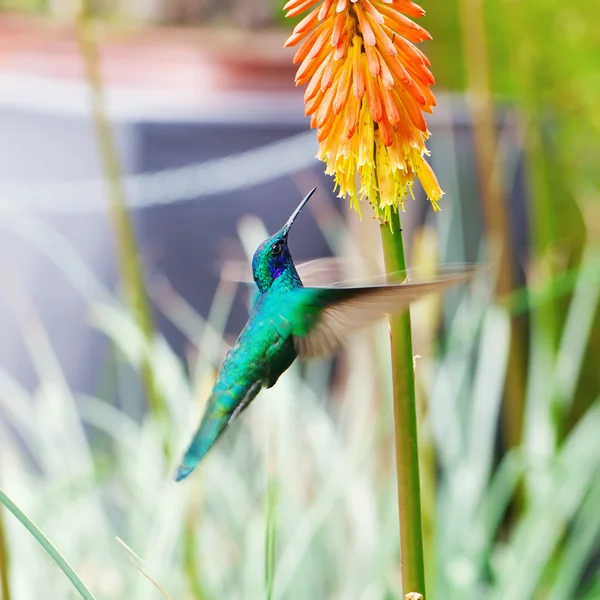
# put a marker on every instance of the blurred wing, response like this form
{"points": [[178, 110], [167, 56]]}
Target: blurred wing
{"points": [[354, 272], [328, 271], [238, 271], [318, 272], [339, 312], [322, 271], [342, 272]]}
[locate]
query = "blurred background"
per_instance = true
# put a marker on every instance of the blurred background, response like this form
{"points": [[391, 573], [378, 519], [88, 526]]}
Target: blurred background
{"points": [[182, 115]]}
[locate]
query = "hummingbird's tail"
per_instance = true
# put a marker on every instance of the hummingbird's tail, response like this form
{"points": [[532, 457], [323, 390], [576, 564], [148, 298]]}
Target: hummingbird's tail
{"points": [[222, 408], [214, 421]]}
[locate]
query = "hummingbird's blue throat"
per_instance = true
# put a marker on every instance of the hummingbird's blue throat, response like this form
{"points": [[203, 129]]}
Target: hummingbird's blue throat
{"points": [[280, 258], [275, 273]]}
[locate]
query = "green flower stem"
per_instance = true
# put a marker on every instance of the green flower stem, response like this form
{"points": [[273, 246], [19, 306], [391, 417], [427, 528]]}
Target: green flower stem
{"points": [[4, 580], [130, 264], [405, 424]]}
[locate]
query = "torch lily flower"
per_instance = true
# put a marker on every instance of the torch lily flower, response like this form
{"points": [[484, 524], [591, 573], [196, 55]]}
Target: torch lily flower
{"points": [[368, 87]]}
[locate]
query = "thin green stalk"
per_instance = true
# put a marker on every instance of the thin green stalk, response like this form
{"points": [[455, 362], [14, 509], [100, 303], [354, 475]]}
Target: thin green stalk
{"points": [[4, 579], [526, 55], [47, 545], [128, 255], [191, 559], [494, 201], [271, 530], [405, 425], [544, 417]]}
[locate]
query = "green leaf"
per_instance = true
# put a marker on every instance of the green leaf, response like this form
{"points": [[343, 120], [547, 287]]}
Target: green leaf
{"points": [[47, 546]]}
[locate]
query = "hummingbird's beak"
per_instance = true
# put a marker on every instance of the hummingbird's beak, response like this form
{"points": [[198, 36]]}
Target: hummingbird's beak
{"points": [[286, 228]]}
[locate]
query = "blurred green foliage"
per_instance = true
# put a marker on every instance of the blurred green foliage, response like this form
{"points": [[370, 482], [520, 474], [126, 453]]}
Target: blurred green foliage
{"points": [[26, 6], [544, 50], [543, 58]]}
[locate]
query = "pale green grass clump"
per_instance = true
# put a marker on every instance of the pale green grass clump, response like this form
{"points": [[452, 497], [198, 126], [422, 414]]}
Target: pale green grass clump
{"points": [[298, 499]]}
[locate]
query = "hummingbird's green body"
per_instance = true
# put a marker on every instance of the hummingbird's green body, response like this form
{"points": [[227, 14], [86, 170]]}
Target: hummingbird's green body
{"points": [[288, 320], [263, 350]]}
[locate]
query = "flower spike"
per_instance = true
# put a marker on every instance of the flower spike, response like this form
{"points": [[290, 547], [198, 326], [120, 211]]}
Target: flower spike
{"points": [[368, 87]]}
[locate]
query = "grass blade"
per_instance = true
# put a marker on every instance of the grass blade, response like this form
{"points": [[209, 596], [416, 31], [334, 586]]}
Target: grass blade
{"points": [[47, 545], [270, 533], [579, 549], [4, 564], [139, 564], [540, 531]]}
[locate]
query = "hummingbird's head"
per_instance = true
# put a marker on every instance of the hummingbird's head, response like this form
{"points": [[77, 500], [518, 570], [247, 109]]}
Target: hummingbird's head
{"points": [[272, 258]]}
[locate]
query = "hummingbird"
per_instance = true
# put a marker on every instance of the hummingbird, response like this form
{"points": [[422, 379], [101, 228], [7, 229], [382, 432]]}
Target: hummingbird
{"points": [[289, 321]]}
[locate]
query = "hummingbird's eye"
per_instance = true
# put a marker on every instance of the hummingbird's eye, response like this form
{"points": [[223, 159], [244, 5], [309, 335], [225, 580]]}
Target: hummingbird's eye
{"points": [[277, 248]]}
